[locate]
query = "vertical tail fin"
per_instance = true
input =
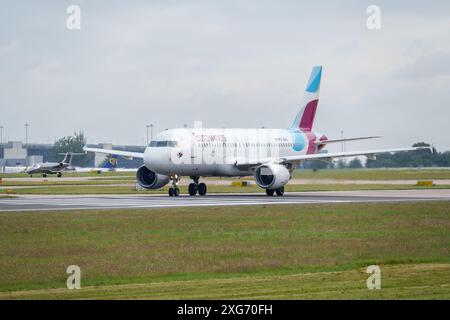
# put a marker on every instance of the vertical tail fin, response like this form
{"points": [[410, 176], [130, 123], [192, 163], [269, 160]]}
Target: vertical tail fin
{"points": [[110, 162], [67, 158], [304, 120]]}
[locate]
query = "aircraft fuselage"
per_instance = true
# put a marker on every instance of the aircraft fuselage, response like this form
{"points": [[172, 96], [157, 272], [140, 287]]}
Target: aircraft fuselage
{"points": [[214, 152]]}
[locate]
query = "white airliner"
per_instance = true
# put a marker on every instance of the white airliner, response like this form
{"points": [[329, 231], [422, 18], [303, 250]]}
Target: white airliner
{"points": [[270, 155]]}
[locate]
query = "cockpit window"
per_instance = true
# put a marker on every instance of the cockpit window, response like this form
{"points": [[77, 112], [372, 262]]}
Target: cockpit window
{"points": [[163, 144]]}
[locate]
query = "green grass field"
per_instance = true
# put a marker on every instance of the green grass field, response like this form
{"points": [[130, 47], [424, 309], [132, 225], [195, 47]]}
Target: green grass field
{"points": [[105, 189], [340, 174], [374, 174], [289, 251], [66, 182]]}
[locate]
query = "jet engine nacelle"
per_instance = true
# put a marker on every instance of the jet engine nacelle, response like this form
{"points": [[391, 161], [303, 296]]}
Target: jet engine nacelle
{"points": [[148, 179], [272, 176]]}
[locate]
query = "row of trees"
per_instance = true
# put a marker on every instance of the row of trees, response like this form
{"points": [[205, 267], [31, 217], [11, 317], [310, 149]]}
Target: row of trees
{"points": [[419, 158], [73, 144]]}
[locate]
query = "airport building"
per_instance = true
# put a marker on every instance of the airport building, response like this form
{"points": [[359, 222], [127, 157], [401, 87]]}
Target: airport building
{"points": [[16, 153]]}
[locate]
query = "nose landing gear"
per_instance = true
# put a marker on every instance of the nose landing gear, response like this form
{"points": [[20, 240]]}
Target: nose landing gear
{"points": [[174, 191]]}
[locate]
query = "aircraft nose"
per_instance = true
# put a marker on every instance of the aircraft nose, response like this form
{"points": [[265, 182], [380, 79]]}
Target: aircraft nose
{"points": [[155, 158], [149, 155], [33, 169]]}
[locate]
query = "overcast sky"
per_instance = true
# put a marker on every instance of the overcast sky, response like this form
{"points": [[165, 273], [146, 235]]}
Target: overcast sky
{"points": [[227, 63]]}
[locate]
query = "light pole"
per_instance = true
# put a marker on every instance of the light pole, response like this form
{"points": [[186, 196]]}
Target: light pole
{"points": [[1, 141], [26, 133], [151, 132], [343, 142]]}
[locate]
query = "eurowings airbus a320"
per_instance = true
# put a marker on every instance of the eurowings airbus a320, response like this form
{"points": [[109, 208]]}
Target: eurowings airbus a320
{"points": [[269, 155]]}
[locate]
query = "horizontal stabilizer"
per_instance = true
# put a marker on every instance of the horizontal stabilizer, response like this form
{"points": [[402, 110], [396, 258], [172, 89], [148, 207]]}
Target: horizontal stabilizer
{"points": [[347, 139]]}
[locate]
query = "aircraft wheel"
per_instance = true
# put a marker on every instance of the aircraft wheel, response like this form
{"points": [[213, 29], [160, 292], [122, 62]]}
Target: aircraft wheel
{"points": [[192, 189], [171, 192], [176, 192], [270, 192], [44, 175], [280, 191], [202, 189], [59, 175]]}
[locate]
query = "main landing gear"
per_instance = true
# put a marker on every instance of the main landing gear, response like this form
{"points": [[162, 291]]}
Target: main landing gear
{"points": [[174, 191], [197, 187], [279, 192], [193, 188]]}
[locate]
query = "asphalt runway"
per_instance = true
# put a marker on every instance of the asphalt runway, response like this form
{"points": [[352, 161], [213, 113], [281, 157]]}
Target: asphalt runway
{"points": [[73, 202]]}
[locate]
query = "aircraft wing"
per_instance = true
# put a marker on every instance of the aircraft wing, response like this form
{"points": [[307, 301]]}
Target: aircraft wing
{"points": [[57, 170], [325, 156], [125, 154]]}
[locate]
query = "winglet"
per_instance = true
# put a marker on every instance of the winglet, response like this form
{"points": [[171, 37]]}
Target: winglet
{"points": [[314, 80]]}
